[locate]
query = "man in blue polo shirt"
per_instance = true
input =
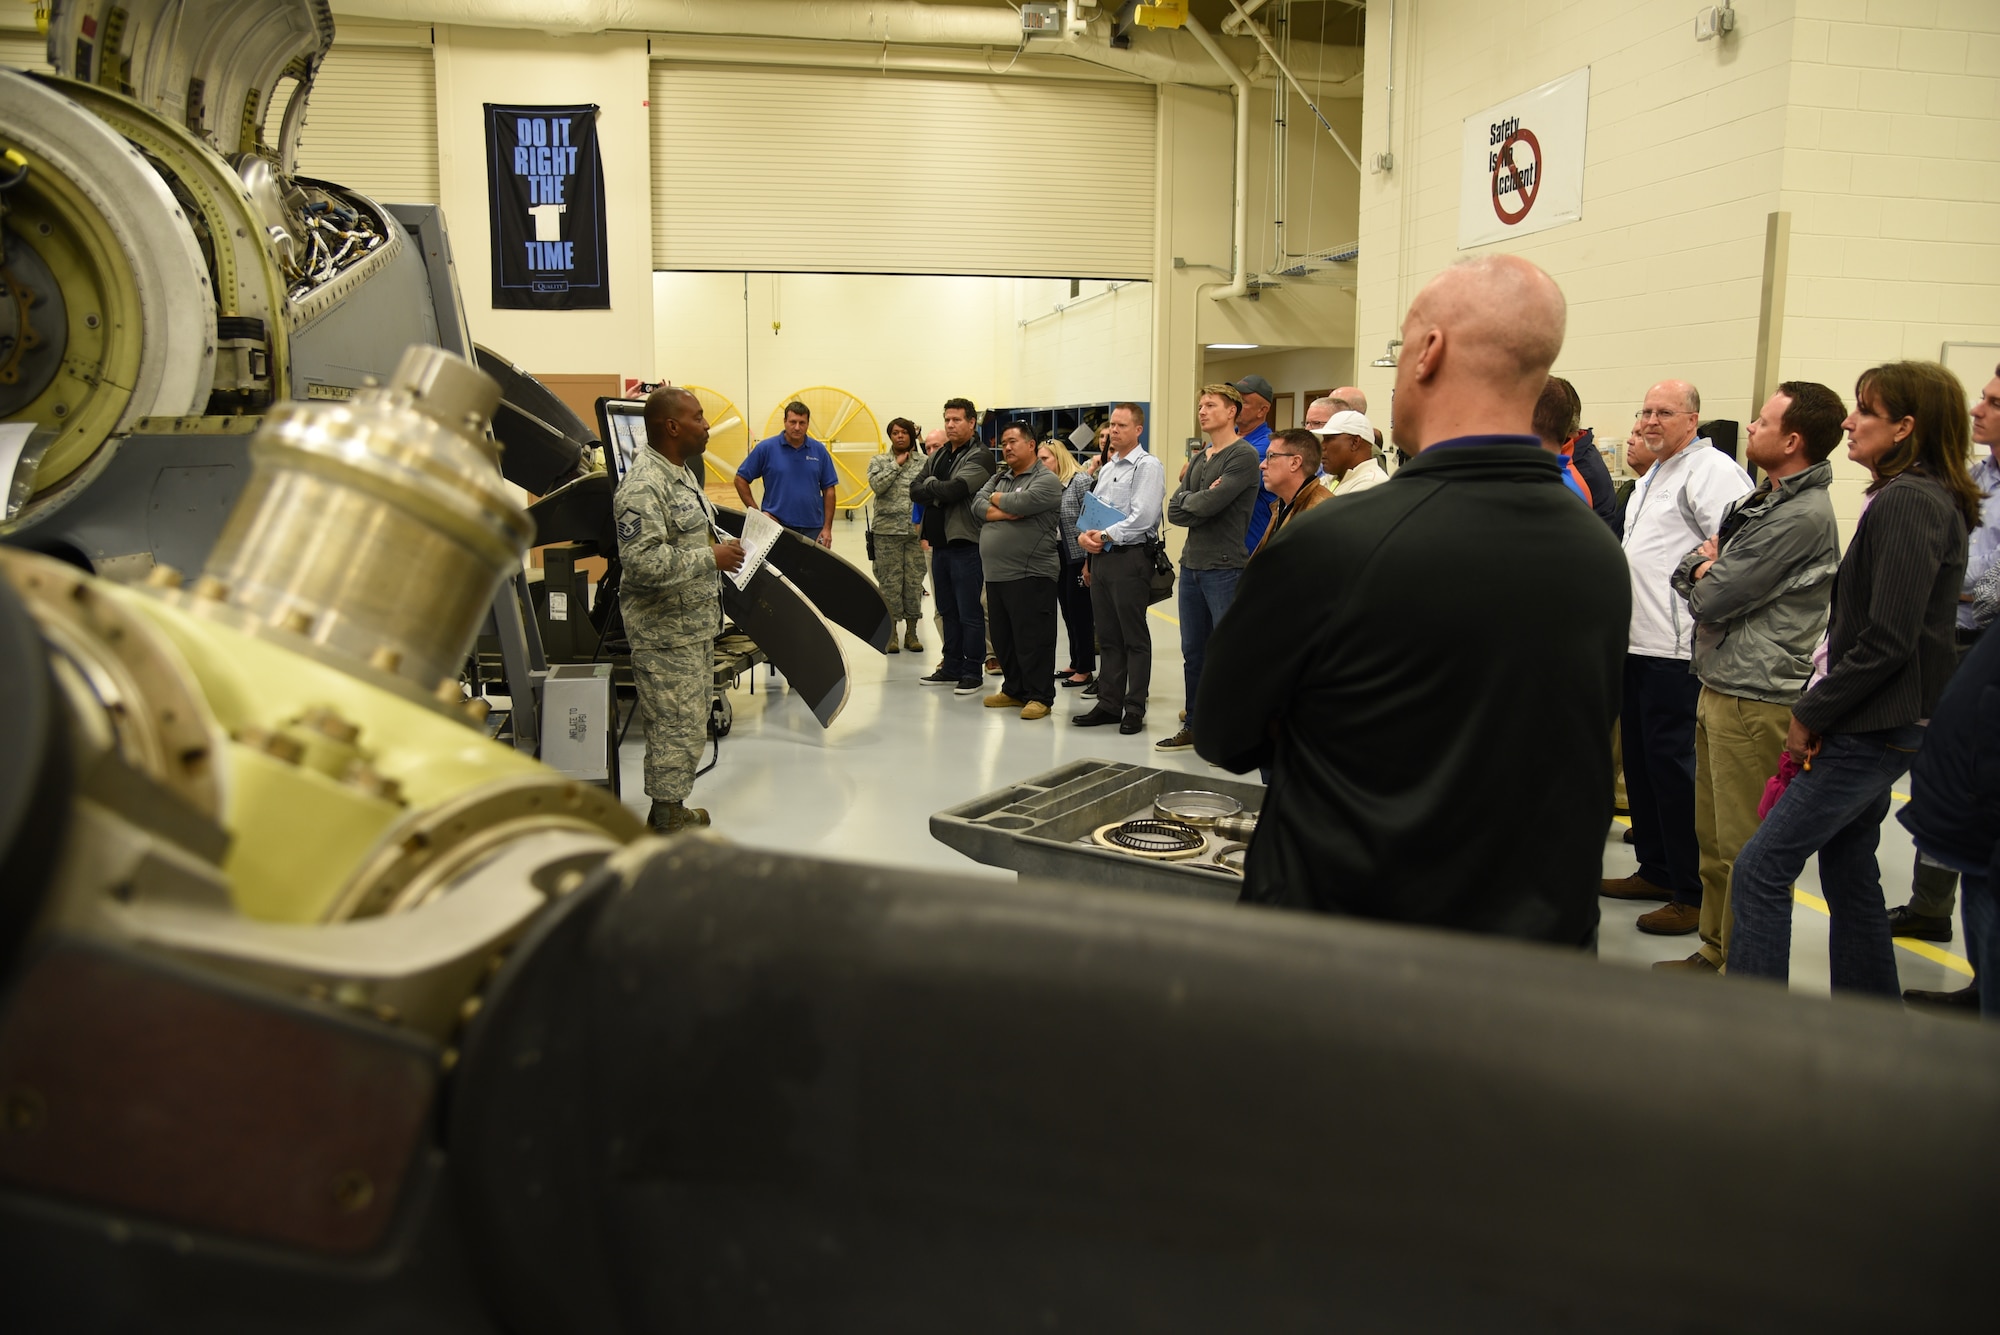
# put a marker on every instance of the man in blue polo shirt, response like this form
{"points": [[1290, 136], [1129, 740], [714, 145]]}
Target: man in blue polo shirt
{"points": [[1253, 423], [798, 478]]}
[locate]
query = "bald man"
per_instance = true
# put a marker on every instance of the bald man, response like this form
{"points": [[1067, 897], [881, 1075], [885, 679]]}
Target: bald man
{"points": [[1674, 509], [1354, 398], [1434, 704]]}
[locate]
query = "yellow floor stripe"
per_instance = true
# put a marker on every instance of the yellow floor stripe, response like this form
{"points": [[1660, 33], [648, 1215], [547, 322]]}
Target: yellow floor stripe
{"points": [[1915, 947], [1172, 621]]}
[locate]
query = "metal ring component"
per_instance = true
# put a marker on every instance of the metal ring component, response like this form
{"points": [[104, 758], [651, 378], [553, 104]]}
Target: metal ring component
{"points": [[131, 690], [1152, 838], [1231, 857], [140, 309], [1195, 806]]}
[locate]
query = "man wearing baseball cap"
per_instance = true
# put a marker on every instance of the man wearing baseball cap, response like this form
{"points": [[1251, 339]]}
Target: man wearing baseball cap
{"points": [[1253, 423], [1347, 453]]}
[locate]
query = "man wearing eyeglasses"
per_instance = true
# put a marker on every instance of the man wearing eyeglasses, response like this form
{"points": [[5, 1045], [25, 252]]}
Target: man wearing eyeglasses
{"points": [[1678, 505], [1291, 473]]}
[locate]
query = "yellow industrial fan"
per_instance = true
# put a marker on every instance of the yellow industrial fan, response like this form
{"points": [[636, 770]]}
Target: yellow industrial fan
{"points": [[728, 440], [848, 427]]}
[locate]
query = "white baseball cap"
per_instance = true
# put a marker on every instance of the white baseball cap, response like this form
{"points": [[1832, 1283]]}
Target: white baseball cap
{"points": [[1349, 423]]}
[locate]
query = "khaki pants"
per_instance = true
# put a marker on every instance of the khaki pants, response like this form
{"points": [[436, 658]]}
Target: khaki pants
{"points": [[1737, 743]]}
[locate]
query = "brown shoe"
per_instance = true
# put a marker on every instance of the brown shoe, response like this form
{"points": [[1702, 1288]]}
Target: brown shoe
{"points": [[910, 640], [1634, 886], [993, 668], [1034, 709], [1180, 741], [1695, 963], [665, 817], [1002, 700], [1671, 920]]}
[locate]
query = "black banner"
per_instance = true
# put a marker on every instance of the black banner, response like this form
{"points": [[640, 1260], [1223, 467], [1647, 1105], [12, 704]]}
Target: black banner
{"points": [[545, 184]]}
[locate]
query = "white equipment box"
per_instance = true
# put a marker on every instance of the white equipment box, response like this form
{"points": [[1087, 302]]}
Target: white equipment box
{"points": [[579, 717]]}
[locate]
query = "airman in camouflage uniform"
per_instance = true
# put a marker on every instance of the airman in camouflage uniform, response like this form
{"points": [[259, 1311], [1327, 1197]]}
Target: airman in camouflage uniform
{"points": [[670, 596]]}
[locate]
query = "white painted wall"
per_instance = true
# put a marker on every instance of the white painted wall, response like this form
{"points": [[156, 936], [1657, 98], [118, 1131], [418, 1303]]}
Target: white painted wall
{"points": [[1892, 177], [903, 344], [1876, 123]]}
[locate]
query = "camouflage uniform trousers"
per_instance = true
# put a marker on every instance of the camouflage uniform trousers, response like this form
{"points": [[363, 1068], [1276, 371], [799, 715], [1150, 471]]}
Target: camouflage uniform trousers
{"points": [[675, 688], [899, 570]]}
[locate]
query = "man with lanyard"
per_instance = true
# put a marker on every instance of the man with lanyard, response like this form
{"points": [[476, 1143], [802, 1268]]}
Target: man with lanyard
{"points": [[798, 478], [670, 596], [1677, 505], [1134, 483], [1253, 424]]}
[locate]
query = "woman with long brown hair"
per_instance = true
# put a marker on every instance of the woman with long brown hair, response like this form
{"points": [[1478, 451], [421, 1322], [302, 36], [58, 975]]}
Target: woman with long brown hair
{"points": [[1890, 652]]}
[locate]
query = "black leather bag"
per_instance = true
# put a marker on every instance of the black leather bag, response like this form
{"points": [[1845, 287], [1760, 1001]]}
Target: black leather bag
{"points": [[1160, 583]]}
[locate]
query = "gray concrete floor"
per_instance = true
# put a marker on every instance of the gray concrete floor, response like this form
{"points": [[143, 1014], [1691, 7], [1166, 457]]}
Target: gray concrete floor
{"points": [[864, 789]]}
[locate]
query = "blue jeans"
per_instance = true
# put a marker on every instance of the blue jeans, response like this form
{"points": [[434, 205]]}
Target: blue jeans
{"points": [[958, 577], [1205, 595], [1834, 809]]}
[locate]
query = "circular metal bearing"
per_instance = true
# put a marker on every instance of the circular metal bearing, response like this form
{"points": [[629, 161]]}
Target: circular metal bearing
{"points": [[141, 311]]}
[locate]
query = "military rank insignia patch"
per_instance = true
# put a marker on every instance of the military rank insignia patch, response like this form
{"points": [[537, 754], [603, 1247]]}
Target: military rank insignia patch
{"points": [[628, 525]]}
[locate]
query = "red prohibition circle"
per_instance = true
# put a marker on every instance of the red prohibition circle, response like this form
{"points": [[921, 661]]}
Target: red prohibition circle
{"points": [[1504, 162]]}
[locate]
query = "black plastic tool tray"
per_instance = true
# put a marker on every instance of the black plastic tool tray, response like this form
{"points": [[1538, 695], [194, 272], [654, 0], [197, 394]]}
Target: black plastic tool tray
{"points": [[1042, 827]]}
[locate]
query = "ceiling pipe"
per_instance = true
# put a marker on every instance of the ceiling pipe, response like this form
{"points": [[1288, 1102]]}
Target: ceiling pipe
{"points": [[1236, 24], [1239, 282], [888, 35], [1270, 54], [876, 21]]}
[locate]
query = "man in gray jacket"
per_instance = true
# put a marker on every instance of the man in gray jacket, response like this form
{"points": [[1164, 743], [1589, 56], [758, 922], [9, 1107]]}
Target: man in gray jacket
{"points": [[1019, 547], [1758, 592], [950, 478], [1217, 493]]}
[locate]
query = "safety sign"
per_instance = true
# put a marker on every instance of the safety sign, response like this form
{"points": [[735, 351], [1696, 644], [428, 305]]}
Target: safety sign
{"points": [[1523, 163]]}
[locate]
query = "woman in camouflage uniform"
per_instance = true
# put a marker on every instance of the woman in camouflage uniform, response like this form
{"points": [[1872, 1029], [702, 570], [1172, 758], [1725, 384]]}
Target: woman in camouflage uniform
{"points": [[899, 557]]}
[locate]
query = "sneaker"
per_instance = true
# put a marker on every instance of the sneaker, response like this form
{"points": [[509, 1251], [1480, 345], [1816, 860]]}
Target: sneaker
{"points": [[1922, 926], [1001, 700], [1695, 963], [1634, 886], [993, 668], [1034, 709], [1180, 741], [969, 686], [1674, 919], [940, 676], [1091, 690]]}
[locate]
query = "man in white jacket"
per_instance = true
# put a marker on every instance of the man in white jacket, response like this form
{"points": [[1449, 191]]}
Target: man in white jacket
{"points": [[1675, 507]]}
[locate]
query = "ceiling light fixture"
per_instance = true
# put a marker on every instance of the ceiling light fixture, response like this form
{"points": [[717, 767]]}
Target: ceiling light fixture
{"points": [[1219, 347], [1388, 358]]}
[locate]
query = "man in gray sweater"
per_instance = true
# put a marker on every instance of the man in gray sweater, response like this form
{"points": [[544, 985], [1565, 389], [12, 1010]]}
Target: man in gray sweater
{"points": [[1217, 493], [1758, 592], [1020, 551], [951, 477]]}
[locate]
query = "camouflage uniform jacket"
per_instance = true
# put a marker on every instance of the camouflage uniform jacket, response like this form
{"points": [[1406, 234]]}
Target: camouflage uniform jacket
{"points": [[670, 589]]}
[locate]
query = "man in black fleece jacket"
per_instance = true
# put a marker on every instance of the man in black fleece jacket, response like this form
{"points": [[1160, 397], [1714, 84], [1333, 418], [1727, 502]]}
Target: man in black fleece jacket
{"points": [[950, 479], [1431, 669]]}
